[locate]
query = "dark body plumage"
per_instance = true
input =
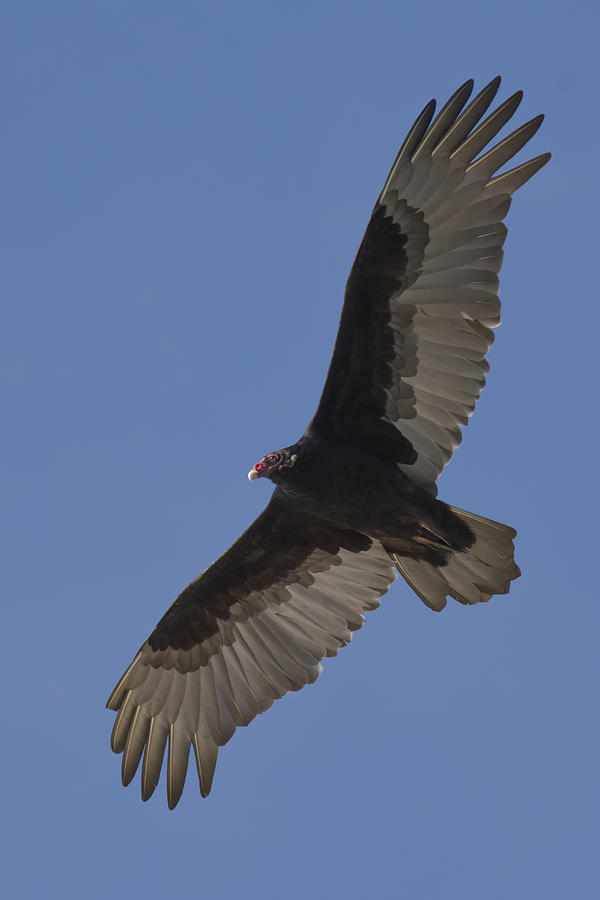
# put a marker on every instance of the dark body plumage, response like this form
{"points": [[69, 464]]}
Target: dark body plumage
{"points": [[355, 497], [350, 488]]}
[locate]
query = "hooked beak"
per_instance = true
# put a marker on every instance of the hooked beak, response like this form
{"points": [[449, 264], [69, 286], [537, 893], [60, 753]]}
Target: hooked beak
{"points": [[253, 475]]}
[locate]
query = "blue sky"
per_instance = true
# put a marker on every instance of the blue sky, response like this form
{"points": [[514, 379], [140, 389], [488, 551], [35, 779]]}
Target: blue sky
{"points": [[184, 188]]}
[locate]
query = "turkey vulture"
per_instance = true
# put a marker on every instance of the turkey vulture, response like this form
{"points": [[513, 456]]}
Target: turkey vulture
{"points": [[355, 498]]}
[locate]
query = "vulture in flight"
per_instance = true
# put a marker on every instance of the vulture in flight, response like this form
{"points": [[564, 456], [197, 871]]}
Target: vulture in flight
{"points": [[355, 498]]}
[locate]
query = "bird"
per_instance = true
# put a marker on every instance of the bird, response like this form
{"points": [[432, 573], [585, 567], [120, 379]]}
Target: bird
{"points": [[355, 498]]}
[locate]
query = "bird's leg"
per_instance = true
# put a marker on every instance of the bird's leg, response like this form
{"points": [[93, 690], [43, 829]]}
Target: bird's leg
{"points": [[425, 535]]}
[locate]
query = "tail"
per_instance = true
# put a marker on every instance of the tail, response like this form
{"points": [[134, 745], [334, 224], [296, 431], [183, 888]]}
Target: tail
{"points": [[486, 568]]}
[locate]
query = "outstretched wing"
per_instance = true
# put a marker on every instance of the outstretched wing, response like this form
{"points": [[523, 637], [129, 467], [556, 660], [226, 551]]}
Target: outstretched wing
{"points": [[422, 296], [251, 628]]}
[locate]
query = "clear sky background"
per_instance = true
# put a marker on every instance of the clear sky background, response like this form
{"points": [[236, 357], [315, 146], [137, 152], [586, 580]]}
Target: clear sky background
{"points": [[184, 188]]}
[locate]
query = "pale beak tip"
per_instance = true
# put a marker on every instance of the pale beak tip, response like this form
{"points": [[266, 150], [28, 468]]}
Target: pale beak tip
{"points": [[252, 475]]}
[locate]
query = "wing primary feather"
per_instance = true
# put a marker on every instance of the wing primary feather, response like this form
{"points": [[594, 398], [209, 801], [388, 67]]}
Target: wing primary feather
{"points": [[443, 121], [488, 129], [118, 738], [491, 161], [206, 752], [467, 119], [411, 141], [511, 181], [138, 732], [125, 683], [153, 756], [177, 763]]}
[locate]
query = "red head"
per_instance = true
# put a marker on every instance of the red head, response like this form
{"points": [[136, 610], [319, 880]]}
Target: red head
{"points": [[266, 467]]}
